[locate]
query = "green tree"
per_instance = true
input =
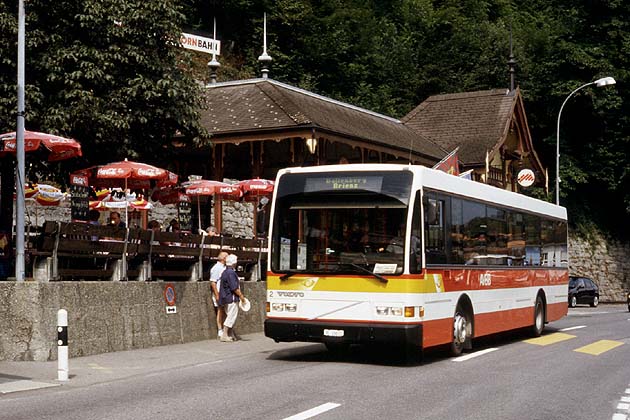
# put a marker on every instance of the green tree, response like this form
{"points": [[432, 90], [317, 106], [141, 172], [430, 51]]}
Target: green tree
{"points": [[108, 73]]}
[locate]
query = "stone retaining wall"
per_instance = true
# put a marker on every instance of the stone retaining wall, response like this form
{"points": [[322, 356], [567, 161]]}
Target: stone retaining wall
{"points": [[607, 262], [111, 316]]}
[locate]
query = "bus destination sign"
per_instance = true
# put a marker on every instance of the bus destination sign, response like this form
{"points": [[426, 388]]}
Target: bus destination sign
{"points": [[344, 183]]}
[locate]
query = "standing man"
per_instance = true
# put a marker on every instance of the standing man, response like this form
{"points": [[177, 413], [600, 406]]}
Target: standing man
{"points": [[215, 284], [229, 297]]}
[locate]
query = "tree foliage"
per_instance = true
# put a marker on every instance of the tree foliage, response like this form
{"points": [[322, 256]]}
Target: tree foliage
{"points": [[106, 72]]}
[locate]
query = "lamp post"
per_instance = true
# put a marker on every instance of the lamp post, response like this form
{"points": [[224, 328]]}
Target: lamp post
{"points": [[19, 181], [605, 81]]}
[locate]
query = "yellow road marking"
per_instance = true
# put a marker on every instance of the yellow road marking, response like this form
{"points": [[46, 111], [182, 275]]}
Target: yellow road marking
{"points": [[599, 347], [549, 339], [96, 366]]}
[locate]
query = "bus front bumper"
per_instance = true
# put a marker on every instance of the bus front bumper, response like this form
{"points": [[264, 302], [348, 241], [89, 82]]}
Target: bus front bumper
{"points": [[332, 332]]}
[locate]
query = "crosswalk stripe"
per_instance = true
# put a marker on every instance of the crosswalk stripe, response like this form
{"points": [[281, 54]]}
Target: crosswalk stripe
{"points": [[577, 327], [549, 339], [599, 347]]}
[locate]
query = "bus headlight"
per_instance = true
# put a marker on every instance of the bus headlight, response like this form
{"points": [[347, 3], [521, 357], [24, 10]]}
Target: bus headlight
{"points": [[389, 310]]}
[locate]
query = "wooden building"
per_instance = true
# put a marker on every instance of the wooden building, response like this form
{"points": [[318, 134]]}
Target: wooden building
{"points": [[258, 126]]}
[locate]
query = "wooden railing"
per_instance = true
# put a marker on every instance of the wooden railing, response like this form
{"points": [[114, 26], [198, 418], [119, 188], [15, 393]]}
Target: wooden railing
{"points": [[75, 251]]}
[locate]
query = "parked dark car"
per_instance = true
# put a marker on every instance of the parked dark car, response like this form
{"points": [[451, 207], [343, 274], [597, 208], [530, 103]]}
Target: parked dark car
{"points": [[583, 290]]}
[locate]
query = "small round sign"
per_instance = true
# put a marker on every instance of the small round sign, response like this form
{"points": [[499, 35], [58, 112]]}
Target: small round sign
{"points": [[526, 177], [169, 294]]}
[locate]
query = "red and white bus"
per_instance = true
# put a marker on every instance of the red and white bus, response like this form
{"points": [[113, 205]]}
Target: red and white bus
{"points": [[402, 254]]}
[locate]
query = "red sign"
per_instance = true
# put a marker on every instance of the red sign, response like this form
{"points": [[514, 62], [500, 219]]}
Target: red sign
{"points": [[169, 294]]}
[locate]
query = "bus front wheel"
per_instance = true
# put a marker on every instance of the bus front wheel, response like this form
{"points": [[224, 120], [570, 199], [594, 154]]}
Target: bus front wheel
{"points": [[462, 330]]}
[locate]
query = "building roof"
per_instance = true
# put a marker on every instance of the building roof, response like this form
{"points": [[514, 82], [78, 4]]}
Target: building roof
{"points": [[474, 121], [259, 105]]}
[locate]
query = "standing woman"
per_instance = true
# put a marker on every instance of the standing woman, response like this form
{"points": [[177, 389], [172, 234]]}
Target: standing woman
{"points": [[229, 296]]}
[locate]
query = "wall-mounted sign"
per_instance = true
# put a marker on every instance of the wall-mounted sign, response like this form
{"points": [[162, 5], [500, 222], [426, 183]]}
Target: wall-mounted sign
{"points": [[199, 43], [526, 177], [169, 294]]}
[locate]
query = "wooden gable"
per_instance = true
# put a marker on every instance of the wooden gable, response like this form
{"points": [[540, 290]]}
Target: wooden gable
{"points": [[490, 130]]}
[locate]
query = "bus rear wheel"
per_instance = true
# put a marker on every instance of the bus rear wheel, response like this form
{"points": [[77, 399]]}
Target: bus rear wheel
{"points": [[462, 331], [539, 318]]}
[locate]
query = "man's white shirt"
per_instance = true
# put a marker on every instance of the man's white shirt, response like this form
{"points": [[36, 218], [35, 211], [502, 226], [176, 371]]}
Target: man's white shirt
{"points": [[215, 276]]}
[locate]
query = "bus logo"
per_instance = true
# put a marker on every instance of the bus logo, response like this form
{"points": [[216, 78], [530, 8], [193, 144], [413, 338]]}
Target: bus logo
{"points": [[485, 279]]}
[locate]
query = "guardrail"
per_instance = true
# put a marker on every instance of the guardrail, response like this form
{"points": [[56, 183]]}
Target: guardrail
{"points": [[75, 251]]}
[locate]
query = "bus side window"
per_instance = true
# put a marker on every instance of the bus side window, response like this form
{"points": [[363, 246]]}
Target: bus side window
{"points": [[434, 230]]}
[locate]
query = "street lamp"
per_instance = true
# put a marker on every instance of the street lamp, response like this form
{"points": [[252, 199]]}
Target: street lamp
{"points": [[605, 81], [19, 182]]}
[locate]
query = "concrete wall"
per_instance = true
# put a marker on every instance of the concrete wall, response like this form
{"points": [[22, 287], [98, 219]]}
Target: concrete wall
{"points": [[111, 316], [607, 262]]}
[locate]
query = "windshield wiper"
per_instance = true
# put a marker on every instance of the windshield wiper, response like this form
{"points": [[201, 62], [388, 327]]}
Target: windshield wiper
{"points": [[289, 274], [365, 270]]}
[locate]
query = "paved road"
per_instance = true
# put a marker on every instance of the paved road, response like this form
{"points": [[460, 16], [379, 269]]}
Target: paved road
{"points": [[579, 369]]}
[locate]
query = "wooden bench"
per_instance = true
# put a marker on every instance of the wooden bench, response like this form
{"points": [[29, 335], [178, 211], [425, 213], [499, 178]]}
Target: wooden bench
{"points": [[67, 251]]}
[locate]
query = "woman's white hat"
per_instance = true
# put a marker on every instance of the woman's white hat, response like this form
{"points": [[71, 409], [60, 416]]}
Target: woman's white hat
{"points": [[245, 305]]}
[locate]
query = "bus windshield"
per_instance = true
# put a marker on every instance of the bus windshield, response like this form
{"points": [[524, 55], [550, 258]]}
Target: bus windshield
{"points": [[340, 222]]}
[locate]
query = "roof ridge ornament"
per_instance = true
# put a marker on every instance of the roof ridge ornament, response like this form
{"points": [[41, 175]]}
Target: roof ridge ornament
{"points": [[265, 58], [214, 63], [511, 62]]}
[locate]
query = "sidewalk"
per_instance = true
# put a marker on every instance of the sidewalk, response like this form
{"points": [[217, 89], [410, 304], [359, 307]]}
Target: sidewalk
{"points": [[106, 367]]}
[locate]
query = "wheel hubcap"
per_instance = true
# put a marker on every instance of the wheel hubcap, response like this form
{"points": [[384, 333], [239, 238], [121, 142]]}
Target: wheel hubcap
{"points": [[539, 318], [460, 332]]}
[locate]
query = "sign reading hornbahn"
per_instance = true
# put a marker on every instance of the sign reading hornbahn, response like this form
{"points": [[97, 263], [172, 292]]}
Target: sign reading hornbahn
{"points": [[199, 43]]}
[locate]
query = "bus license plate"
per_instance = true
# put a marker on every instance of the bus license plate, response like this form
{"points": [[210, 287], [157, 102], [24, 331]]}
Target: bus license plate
{"points": [[333, 333]]}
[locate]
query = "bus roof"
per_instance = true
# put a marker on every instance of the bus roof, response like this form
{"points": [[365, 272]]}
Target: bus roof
{"points": [[441, 181]]}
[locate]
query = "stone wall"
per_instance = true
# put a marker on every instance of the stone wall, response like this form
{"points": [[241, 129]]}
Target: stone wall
{"points": [[607, 262], [111, 316]]}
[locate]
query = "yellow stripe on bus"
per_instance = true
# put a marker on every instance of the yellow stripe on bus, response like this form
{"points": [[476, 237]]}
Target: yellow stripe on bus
{"points": [[599, 347], [549, 339], [432, 283]]}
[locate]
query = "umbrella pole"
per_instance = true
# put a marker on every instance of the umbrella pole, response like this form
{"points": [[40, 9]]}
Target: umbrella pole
{"points": [[126, 206], [199, 214]]}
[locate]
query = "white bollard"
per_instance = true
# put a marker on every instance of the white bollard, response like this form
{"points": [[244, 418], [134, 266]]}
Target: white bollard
{"points": [[62, 345]]}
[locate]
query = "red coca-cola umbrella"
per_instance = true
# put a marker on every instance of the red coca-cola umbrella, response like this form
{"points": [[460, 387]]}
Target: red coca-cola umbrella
{"points": [[127, 174], [205, 187], [256, 187], [257, 190], [55, 147]]}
